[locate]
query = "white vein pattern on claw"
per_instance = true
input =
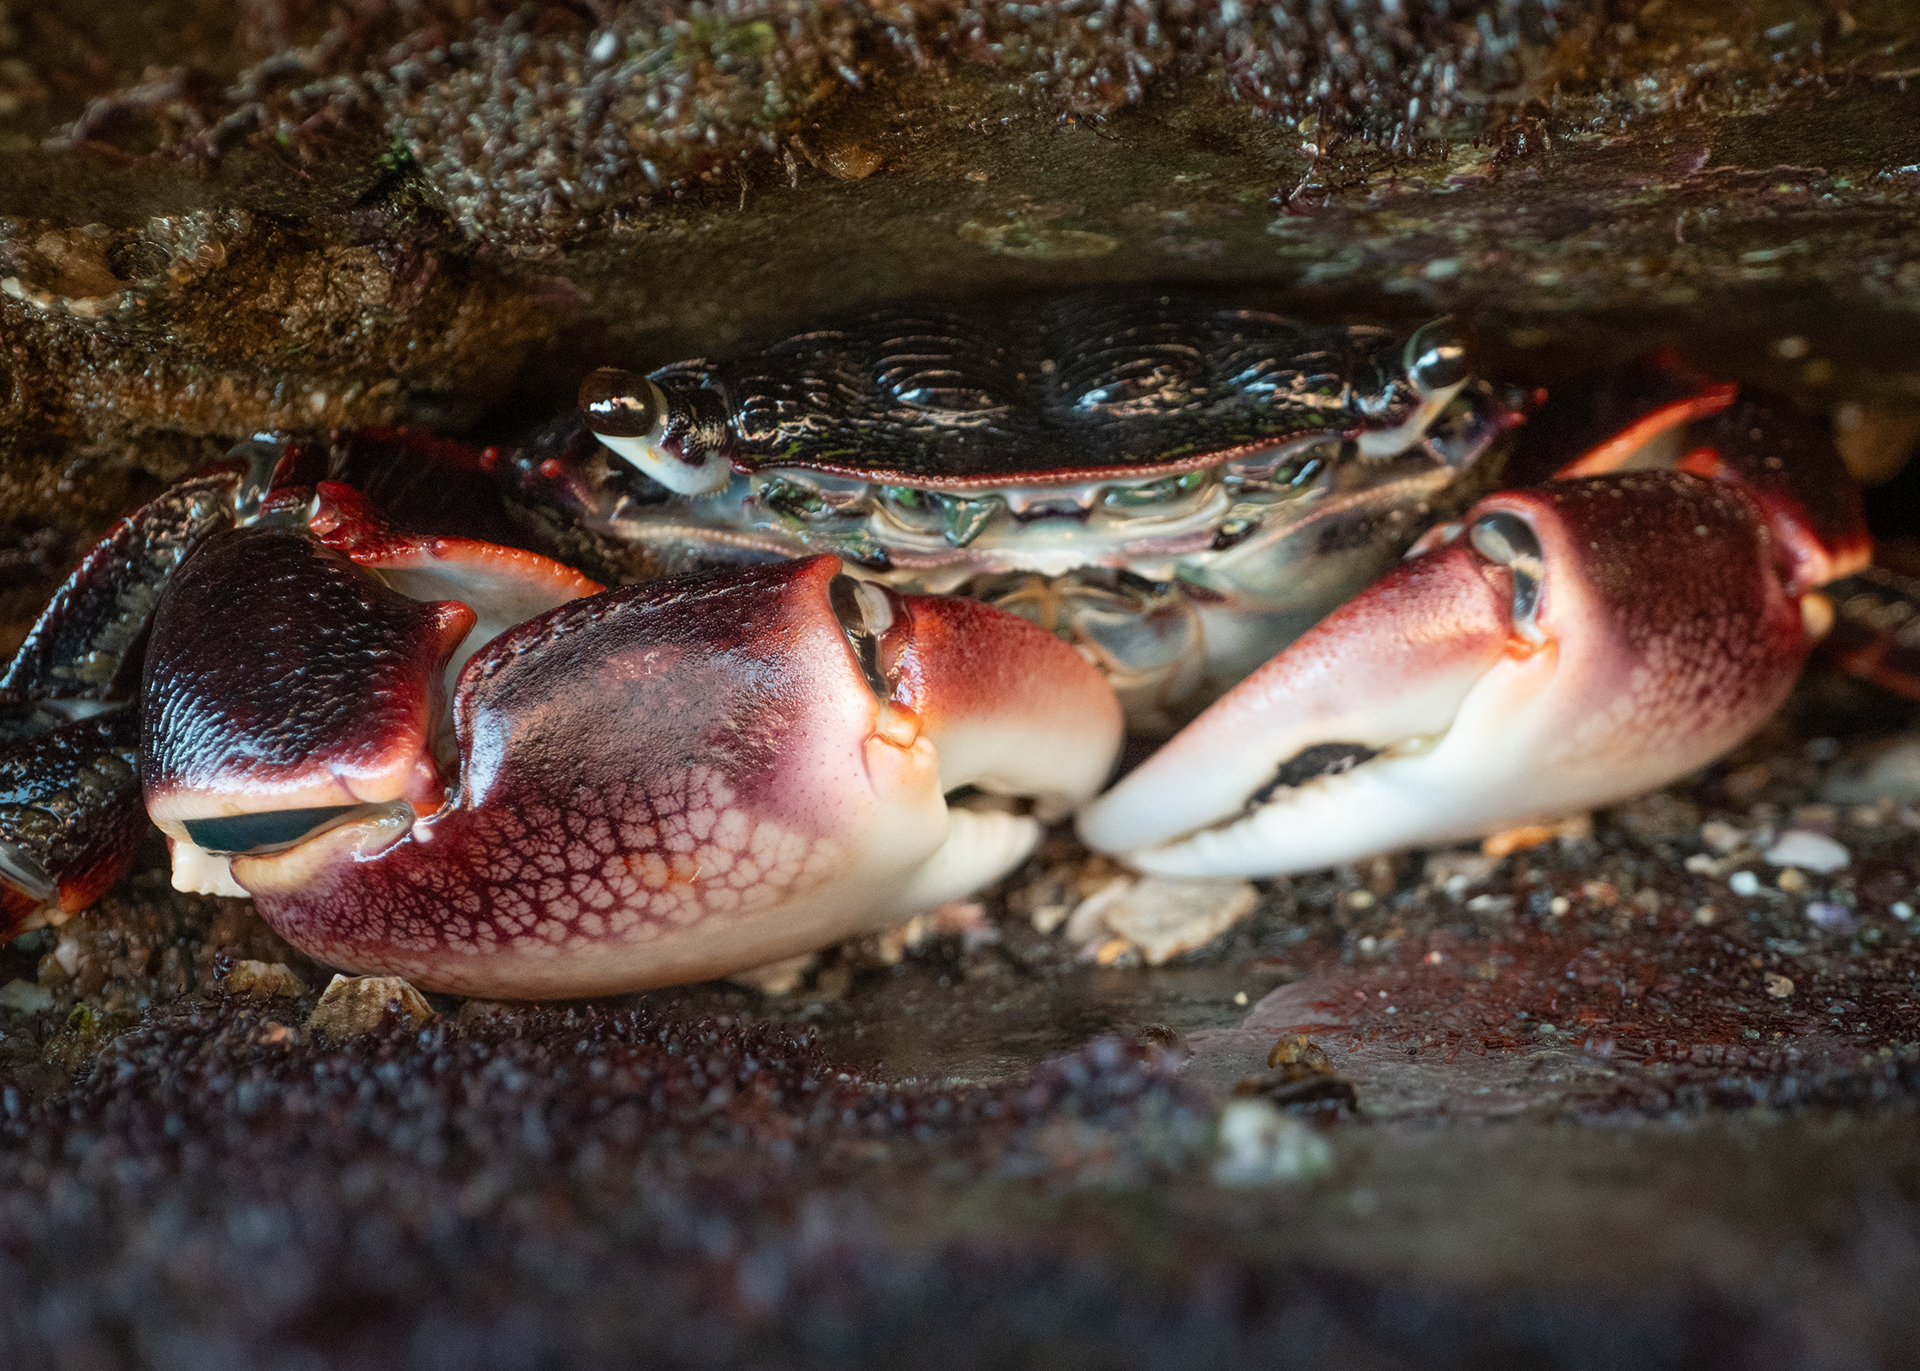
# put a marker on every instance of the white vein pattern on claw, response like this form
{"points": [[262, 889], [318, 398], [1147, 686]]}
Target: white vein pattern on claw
{"points": [[632, 866]]}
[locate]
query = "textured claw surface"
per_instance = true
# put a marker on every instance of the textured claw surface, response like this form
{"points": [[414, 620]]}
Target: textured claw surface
{"points": [[503, 586], [70, 814], [656, 783], [1659, 635], [281, 677]]}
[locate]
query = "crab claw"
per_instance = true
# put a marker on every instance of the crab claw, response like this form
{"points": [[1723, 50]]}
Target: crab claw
{"points": [[659, 783], [1582, 641], [286, 691]]}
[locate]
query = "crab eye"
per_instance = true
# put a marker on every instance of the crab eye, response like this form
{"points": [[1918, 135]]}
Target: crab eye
{"points": [[1436, 357], [621, 404]]}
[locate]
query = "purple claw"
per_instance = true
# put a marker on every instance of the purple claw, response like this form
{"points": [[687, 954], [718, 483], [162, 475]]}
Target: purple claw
{"points": [[655, 784], [1584, 641]]}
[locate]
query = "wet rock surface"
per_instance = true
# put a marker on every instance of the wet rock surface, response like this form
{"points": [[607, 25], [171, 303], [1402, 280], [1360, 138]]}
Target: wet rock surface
{"points": [[1641, 1093]]}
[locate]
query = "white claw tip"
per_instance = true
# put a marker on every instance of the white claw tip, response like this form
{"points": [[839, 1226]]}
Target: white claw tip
{"points": [[197, 871]]}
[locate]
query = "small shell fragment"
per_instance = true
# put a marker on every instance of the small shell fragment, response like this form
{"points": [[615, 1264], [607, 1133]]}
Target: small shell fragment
{"points": [[25, 997], [1260, 1144], [264, 980], [777, 978], [355, 1004], [1808, 850], [1165, 917]]}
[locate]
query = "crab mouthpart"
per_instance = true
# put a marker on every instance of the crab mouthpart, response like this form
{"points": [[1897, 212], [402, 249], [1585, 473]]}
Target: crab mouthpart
{"points": [[1582, 642]]}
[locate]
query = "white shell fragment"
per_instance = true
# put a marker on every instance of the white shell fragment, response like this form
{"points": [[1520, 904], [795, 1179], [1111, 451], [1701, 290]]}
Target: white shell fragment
{"points": [[1891, 773], [1807, 850], [777, 978], [1262, 1145], [354, 1004], [1164, 917]]}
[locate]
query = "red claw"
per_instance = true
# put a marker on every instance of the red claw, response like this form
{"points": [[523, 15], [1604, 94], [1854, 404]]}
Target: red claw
{"points": [[1585, 640], [655, 784]]}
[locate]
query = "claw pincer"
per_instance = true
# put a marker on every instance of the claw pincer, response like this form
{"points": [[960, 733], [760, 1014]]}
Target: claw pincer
{"points": [[646, 785], [1562, 647]]}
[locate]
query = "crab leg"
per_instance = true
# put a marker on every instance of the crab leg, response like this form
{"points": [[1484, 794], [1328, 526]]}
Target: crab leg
{"points": [[654, 784], [1571, 645], [70, 817]]}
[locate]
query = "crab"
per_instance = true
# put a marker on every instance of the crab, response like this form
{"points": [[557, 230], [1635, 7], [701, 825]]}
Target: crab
{"points": [[899, 588]]}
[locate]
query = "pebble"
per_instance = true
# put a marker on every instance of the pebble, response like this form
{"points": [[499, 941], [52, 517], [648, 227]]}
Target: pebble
{"points": [[968, 918], [26, 997], [1777, 985], [478, 1011], [1808, 850], [1262, 1145], [1890, 774], [1453, 872], [777, 978], [1047, 917], [1744, 883], [1722, 836], [354, 1004], [1832, 917], [1901, 910], [1793, 880]]}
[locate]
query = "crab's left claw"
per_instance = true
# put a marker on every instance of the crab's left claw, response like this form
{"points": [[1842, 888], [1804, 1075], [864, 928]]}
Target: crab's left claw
{"points": [[1571, 645], [649, 785]]}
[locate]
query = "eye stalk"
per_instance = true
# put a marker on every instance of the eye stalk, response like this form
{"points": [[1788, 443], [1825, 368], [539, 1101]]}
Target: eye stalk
{"points": [[1437, 367], [1436, 357], [658, 433]]}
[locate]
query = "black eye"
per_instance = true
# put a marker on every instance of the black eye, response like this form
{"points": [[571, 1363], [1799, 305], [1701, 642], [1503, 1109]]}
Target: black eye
{"points": [[233, 835], [1436, 357], [619, 404]]}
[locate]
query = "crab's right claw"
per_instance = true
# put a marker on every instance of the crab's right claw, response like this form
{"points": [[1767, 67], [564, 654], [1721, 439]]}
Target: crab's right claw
{"points": [[1575, 644]]}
